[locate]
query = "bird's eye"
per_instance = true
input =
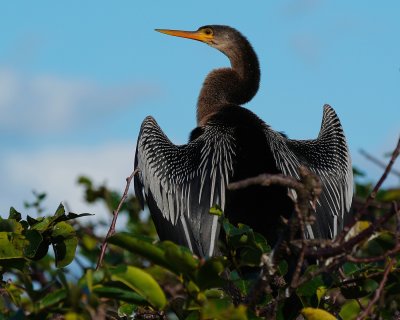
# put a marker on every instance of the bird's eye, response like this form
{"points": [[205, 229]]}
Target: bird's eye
{"points": [[208, 31]]}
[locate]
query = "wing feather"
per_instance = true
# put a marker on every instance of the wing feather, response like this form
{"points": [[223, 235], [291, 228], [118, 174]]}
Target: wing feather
{"points": [[328, 157], [182, 182]]}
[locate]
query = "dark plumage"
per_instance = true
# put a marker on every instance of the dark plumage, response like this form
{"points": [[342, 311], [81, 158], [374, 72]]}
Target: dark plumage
{"points": [[231, 143]]}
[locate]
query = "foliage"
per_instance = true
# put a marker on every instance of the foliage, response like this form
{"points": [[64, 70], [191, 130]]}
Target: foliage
{"points": [[142, 278]]}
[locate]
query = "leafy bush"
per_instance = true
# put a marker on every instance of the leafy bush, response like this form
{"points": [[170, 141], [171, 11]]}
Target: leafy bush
{"points": [[354, 277]]}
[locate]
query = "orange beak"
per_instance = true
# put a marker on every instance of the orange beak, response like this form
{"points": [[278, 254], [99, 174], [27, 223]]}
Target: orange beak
{"points": [[195, 35]]}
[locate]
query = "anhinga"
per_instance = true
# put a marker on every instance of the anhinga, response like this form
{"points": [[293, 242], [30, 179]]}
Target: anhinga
{"points": [[230, 143]]}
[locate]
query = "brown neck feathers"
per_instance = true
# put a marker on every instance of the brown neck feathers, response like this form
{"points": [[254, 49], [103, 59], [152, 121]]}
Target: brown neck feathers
{"points": [[236, 85]]}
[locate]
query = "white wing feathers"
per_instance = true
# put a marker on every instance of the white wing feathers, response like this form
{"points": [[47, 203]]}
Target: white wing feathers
{"points": [[328, 157], [183, 182]]}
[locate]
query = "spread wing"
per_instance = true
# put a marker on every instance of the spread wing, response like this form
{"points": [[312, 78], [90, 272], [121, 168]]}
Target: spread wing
{"points": [[181, 183], [327, 156]]}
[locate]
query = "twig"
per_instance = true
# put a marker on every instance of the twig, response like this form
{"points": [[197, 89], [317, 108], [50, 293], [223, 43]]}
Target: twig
{"points": [[389, 253], [349, 244], [393, 158], [111, 230], [365, 277], [300, 261], [378, 292], [378, 162], [397, 219], [337, 261], [267, 180]]}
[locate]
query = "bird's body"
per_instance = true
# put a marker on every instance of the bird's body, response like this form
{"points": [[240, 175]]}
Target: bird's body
{"points": [[231, 143]]}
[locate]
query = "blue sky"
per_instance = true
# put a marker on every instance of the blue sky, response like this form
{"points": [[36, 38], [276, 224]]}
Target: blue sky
{"points": [[77, 79]]}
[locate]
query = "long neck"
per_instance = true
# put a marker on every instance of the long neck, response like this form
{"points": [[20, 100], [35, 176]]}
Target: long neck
{"points": [[236, 85]]}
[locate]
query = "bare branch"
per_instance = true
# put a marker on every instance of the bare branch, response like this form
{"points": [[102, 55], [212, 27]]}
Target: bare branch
{"points": [[111, 230], [378, 162], [378, 291], [341, 248], [267, 180], [389, 166], [387, 254]]}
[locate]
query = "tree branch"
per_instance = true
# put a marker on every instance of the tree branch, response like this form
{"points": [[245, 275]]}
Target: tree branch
{"points": [[378, 291], [111, 230], [341, 248], [389, 166], [378, 162]]}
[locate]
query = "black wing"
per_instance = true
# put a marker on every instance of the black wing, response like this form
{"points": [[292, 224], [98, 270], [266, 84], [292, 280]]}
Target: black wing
{"points": [[327, 156], [181, 183]]}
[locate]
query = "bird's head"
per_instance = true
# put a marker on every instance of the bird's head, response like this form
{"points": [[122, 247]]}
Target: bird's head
{"points": [[223, 38]]}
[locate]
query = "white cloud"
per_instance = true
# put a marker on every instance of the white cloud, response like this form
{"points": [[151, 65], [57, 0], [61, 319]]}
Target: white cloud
{"points": [[300, 7], [308, 47], [42, 103], [55, 172]]}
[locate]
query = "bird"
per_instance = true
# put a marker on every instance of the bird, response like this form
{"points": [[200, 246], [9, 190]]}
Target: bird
{"points": [[180, 183]]}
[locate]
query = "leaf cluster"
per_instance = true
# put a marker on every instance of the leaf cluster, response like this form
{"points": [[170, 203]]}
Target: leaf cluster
{"points": [[143, 278]]}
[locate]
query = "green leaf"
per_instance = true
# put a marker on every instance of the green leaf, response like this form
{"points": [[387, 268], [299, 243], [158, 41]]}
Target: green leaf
{"points": [[208, 276], [16, 263], [377, 245], [74, 316], [127, 310], [391, 195], [47, 222], [350, 268], [41, 224], [243, 236], [261, 243], [71, 216], [142, 247], [310, 287], [52, 299], [119, 293], [10, 225], [64, 243], [216, 210], [370, 285], [14, 214], [37, 248], [89, 279], [59, 212], [88, 242], [12, 245], [317, 314], [31, 221], [141, 282], [222, 309], [231, 230], [359, 289], [180, 258], [214, 293], [321, 291], [283, 267], [14, 292], [250, 257], [193, 316], [192, 288], [350, 310]]}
